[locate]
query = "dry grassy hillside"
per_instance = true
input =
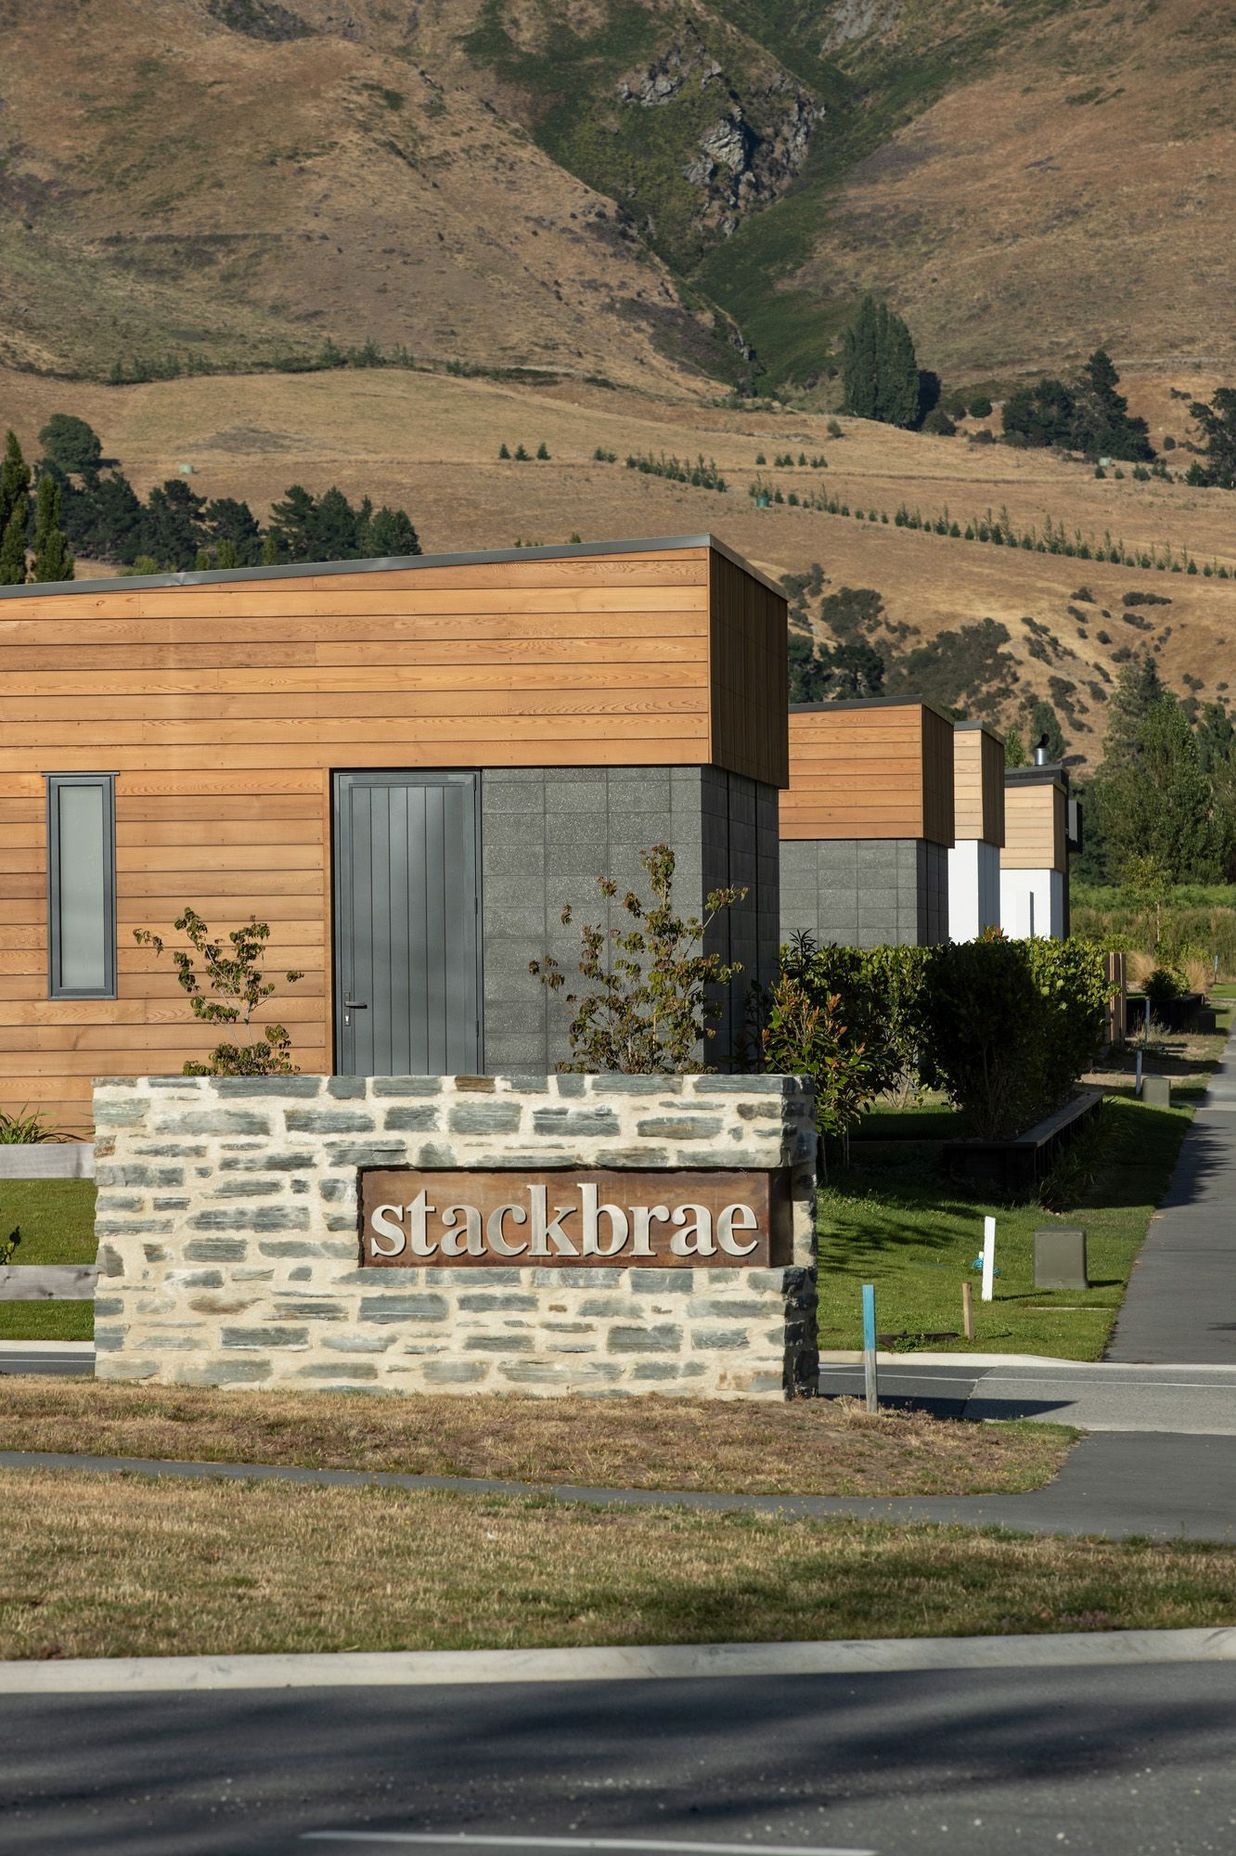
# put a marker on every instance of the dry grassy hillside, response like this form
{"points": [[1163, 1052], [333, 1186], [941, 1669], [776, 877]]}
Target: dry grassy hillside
{"points": [[1079, 189], [430, 443], [172, 189], [616, 187]]}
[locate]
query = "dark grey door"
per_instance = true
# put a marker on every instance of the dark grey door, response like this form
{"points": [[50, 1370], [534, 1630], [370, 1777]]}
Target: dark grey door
{"points": [[406, 903]]}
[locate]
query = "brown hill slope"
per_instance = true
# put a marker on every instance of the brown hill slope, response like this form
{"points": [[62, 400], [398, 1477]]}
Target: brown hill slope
{"points": [[172, 187], [1080, 191], [518, 183], [430, 442]]}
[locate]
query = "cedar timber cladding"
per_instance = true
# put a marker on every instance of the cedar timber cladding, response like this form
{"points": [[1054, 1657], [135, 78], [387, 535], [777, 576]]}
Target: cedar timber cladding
{"points": [[869, 770], [224, 702], [978, 777], [1035, 823]]}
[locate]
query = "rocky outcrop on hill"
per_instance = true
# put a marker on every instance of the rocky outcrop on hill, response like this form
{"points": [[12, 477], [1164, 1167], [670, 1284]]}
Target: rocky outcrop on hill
{"points": [[751, 143]]}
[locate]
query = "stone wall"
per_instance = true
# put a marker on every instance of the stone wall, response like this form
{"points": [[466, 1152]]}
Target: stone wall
{"points": [[865, 892], [229, 1246], [548, 833]]}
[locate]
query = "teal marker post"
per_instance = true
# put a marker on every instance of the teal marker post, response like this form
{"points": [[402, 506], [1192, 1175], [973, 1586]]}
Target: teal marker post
{"points": [[870, 1378]]}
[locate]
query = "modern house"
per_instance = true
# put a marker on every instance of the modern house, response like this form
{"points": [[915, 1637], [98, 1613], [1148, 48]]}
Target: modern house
{"points": [[867, 823], [1041, 825], [974, 861], [406, 767]]}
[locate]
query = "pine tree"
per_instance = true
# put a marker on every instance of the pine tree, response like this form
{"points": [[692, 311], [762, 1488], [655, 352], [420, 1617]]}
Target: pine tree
{"points": [[1154, 798], [13, 549], [52, 560]]}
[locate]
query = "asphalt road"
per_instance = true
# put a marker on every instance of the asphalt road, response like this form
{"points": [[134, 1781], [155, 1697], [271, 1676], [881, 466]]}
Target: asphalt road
{"points": [[1136, 1760], [1187, 1400]]}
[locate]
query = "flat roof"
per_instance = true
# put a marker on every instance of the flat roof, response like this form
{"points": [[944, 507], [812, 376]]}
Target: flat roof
{"points": [[224, 576], [1053, 773], [871, 702], [985, 727]]}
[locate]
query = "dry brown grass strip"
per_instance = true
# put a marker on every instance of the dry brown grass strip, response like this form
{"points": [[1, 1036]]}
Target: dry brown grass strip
{"points": [[812, 1447], [102, 1566]]}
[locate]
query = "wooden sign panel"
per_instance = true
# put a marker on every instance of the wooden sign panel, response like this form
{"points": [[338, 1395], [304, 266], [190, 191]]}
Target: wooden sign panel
{"points": [[594, 1218]]}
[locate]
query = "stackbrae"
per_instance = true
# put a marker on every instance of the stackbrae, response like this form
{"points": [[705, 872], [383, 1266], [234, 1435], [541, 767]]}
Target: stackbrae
{"points": [[532, 1227]]}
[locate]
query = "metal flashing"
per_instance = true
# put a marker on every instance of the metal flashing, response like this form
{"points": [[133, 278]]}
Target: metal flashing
{"points": [[232, 576]]}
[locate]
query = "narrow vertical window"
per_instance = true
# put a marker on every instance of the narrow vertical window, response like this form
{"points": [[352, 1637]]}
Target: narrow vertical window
{"points": [[81, 885]]}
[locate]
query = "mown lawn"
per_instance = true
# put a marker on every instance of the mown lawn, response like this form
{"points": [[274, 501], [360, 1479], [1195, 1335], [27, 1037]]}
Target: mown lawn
{"points": [[56, 1220], [131, 1566], [893, 1219]]}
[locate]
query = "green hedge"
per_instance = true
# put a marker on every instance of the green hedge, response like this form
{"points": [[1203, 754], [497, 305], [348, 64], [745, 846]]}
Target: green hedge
{"points": [[1005, 1028]]}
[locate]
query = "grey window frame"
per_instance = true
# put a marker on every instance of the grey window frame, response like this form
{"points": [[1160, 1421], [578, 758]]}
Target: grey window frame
{"points": [[106, 782]]}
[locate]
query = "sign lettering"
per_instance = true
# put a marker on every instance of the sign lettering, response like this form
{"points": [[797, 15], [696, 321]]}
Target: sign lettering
{"points": [[590, 1218]]}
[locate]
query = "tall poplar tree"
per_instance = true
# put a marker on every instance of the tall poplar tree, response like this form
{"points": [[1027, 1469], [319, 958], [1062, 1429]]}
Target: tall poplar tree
{"points": [[52, 560], [14, 481], [860, 361], [13, 548], [879, 366]]}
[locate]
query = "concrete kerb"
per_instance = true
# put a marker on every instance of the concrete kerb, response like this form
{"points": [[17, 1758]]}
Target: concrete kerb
{"points": [[639, 1663]]}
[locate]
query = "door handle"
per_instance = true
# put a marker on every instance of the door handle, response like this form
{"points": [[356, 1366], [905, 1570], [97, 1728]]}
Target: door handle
{"points": [[356, 1005]]}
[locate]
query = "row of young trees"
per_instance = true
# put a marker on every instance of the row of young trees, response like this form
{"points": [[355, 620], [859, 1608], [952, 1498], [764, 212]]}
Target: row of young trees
{"points": [[87, 501]]}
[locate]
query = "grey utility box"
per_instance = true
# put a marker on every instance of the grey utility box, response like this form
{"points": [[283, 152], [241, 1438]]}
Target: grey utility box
{"points": [[1157, 1091], [1060, 1258]]}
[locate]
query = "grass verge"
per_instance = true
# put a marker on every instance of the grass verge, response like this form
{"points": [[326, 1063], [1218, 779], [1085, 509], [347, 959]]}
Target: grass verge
{"points": [[807, 1448], [56, 1221], [128, 1566]]}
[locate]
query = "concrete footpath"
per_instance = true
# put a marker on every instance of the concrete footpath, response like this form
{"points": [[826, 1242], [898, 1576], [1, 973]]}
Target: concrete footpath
{"points": [[1180, 1306], [1118, 1486]]}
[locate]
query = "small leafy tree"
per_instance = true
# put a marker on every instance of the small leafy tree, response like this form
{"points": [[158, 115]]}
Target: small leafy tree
{"points": [[805, 1035], [648, 1009], [234, 989]]}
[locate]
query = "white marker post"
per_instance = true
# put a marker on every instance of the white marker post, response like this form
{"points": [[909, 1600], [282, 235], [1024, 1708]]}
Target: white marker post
{"points": [[989, 1257]]}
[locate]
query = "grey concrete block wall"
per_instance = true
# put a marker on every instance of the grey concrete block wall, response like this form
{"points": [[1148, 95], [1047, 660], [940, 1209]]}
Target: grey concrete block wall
{"points": [[548, 833], [865, 892], [229, 1252]]}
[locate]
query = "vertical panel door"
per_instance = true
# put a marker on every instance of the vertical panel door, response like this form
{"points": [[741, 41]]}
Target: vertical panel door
{"points": [[407, 1000]]}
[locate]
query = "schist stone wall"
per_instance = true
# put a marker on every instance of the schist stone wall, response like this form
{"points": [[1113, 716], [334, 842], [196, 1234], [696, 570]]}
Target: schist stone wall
{"points": [[229, 1246], [548, 833], [865, 892]]}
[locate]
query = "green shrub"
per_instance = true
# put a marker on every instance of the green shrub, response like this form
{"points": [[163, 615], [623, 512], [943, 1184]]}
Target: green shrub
{"points": [[1008, 1027], [879, 990], [1074, 990], [980, 1021], [1162, 987]]}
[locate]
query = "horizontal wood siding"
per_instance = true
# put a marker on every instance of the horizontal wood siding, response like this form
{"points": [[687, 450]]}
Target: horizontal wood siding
{"points": [[856, 773], [978, 773], [223, 708], [1034, 828], [749, 675], [938, 785]]}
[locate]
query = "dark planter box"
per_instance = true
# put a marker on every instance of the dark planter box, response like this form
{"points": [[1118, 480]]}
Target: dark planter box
{"points": [[1174, 1015], [1017, 1165]]}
